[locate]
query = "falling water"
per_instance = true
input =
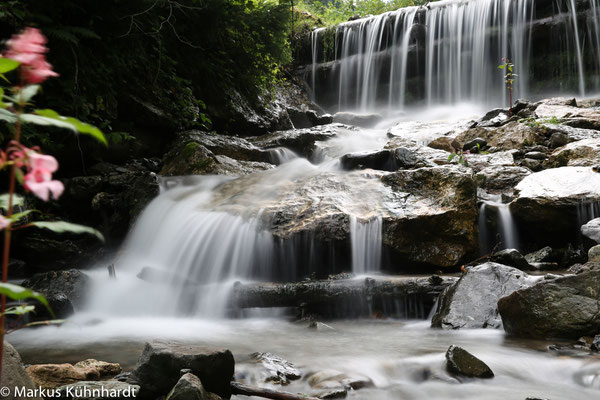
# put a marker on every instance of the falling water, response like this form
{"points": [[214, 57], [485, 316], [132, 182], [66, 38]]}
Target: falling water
{"points": [[504, 225], [448, 52], [366, 243]]}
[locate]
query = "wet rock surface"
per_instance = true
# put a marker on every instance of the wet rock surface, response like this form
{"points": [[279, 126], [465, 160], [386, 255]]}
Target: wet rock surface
{"points": [[461, 362], [51, 376], [14, 373], [472, 301], [591, 230], [157, 369], [189, 387], [566, 307], [277, 370]]}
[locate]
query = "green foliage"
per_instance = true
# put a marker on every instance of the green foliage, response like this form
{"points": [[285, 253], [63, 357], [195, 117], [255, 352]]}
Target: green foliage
{"points": [[338, 11], [16, 292], [62, 226]]}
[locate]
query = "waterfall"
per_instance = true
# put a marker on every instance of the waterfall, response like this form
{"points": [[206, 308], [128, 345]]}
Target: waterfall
{"points": [[448, 52], [366, 244], [498, 224]]}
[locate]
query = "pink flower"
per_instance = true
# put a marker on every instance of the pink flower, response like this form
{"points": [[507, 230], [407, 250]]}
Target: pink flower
{"points": [[39, 178], [28, 48], [4, 222]]}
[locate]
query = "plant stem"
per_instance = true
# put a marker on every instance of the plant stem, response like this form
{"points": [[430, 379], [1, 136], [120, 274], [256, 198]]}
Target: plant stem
{"points": [[7, 237]]}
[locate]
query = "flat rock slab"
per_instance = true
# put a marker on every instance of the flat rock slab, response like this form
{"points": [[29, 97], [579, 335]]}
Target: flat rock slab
{"points": [[461, 362], [158, 368]]}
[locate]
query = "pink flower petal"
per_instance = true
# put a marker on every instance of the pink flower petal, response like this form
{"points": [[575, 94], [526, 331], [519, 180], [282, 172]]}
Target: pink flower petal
{"points": [[4, 222], [42, 162]]}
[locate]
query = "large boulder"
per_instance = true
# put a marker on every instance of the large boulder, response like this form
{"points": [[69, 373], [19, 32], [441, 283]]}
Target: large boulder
{"points": [[51, 376], [501, 178], [513, 135], [472, 301], [461, 362], [428, 215], [64, 290], [548, 203], [583, 153], [189, 387], [591, 230], [14, 374], [566, 307], [157, 370]]}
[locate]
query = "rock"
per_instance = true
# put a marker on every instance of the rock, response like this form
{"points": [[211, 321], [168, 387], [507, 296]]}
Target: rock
{"points": [[301, 141], [48, 250], [445, 143], [339, 393], [594, 254], [384, 160], [14, 374], [513, 135], [50, 376], [582, 153], [591, 230], [547, 202], [99, 390], [500, 177], [512, 258], [157, 369], [362, 120], [565, 307], [332, 379], [595, 346], [545, 254], [534, 165], [277, 369], [461, 362], [558, 139], [536, 155], [189, 387], [64, 290], [549, 258], [307, 118], [475, 145], [472, 301]]}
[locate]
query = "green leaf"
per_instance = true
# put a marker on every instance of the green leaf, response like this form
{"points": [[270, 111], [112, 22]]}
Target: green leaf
{"points": [[7, 65], [62, 226], [50, 116], [17, 201], [451, 156], [7, 116], [16, 292], [19, 310], [16, 217], [501, 66], [28, 92]]}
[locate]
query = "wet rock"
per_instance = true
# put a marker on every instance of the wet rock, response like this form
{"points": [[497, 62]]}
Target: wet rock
{"points": [[307, 118], [511, 258], [501, 177], [472, 301], [383, 160], [536, 155], [276, 368], [595, 346], [545, 266], [475, 145], [64, 290], [461, 362], [332, 379], [513, 135], [99, 390], [362, 120], [157, 369], [339, 393], [545, 254], [594, 254], [301, 141], [189, 387], [591, 230], [50, 376], [582, 153], [547, 201], [558, 139], [13, 372], [445, 143], [534, 165], [566, 307], [48, 251]]}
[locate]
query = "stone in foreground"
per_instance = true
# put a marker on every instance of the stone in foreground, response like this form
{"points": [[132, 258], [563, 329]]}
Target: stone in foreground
{"points": [[277, 370], [472, 301], [157, 369], [13, 372], [566, 307], [50, 376], [461, 362], [189, 387]]}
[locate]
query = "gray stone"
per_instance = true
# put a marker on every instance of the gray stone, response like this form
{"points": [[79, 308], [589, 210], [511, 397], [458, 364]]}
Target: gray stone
{"points": [[534, 165], [512, 258], [500, 178], [594, 254], [558, 139], [565, 307], [189, 387], [536, 155], [475, 145], [461, 362], [277, 369], [582, 153], [13, 372], [595, 346], [339, 393], [472, 301], [157, 369], [591, 230]]}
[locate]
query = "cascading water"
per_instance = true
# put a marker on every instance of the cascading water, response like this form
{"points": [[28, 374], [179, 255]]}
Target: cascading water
{"points": [[502, 227], [366, 245], [448, 52]]}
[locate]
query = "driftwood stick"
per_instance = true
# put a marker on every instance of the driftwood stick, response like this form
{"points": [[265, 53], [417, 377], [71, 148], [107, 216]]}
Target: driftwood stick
{"points": [[245, 390]]}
